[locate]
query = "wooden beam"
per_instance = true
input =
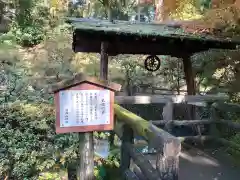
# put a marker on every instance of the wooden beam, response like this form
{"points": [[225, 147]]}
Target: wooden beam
{"points": [[227, 107], [230, 124], [196, 138], [158, 138], [184, 122], [133, 44], [165, 99]]}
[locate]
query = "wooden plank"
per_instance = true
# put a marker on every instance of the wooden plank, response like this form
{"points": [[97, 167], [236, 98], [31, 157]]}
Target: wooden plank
{"points": [[165, 99], [143, 128], [130, 175], [227, 107], [229, 123], [144, 164], [196, 138], [184, 122]]}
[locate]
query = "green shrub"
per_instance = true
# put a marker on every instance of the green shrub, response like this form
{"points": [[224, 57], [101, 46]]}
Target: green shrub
{"points": [[29, 36], [28, 142], [30, 24]]}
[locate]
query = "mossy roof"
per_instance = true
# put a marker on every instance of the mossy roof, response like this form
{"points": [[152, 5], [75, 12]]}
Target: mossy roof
{"points": [[125, 28]]}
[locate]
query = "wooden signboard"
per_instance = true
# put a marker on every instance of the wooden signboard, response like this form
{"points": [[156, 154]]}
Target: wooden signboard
{"points": [[84, 104]]}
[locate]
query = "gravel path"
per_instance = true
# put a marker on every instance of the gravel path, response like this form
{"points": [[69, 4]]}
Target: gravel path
{"points": [[198, 165]]}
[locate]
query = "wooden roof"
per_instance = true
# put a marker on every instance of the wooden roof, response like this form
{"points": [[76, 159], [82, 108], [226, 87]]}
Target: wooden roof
{"points": [[142, 38], [81, 78]]}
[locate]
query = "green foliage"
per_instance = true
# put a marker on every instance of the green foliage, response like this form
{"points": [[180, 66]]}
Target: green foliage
{"points": [[108, 169], [28, 36], [30, 21], [28, 141]]}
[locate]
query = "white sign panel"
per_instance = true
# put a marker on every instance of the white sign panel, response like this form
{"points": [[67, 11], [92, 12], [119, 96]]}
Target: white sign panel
{"points": [[84, 107]]}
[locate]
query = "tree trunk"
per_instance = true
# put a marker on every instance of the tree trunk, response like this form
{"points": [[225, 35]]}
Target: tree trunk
{"points": [[164, 8], [159, 14]]}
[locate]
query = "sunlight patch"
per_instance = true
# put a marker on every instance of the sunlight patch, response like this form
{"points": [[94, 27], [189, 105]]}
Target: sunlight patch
{"points": [[198, 159]]}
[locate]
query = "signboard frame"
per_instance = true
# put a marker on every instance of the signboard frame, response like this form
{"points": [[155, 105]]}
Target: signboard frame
{"points": [[84, 86]]}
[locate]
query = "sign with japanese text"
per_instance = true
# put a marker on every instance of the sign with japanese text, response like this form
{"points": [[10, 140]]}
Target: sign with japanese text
{"points": [[84, 107], [84, 104]]}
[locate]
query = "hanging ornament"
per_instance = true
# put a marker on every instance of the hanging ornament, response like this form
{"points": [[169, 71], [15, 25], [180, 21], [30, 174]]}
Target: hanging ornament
{"points": [[152, 63]]}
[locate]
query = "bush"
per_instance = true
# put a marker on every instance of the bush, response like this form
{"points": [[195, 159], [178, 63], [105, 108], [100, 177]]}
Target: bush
{"points": [[30, 23], [29, 36], [28, 142]]}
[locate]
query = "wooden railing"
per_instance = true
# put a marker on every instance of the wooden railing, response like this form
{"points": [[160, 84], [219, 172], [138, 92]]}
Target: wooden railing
{"points": [[167, 148], [175, 99], [212, 121]]}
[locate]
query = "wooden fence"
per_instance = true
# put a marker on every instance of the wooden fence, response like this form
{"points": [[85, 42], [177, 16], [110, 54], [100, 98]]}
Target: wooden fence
{"points": [[168, 147]]}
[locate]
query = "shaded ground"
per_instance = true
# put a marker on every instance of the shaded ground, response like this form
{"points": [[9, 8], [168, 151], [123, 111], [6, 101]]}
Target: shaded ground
{"points": [[208, 165]]}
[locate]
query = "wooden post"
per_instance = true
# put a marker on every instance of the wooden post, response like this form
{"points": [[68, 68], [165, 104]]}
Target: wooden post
{"points": [[167, 162], [190, 81], [104, 75], [86, 149], [104, 61], [125, 157], [213, 126], [86, 152], [189, 75], [168, 115]]}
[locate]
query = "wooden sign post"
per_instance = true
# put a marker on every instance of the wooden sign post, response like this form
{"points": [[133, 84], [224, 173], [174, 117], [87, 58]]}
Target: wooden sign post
{"points": [[83, 105]]}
